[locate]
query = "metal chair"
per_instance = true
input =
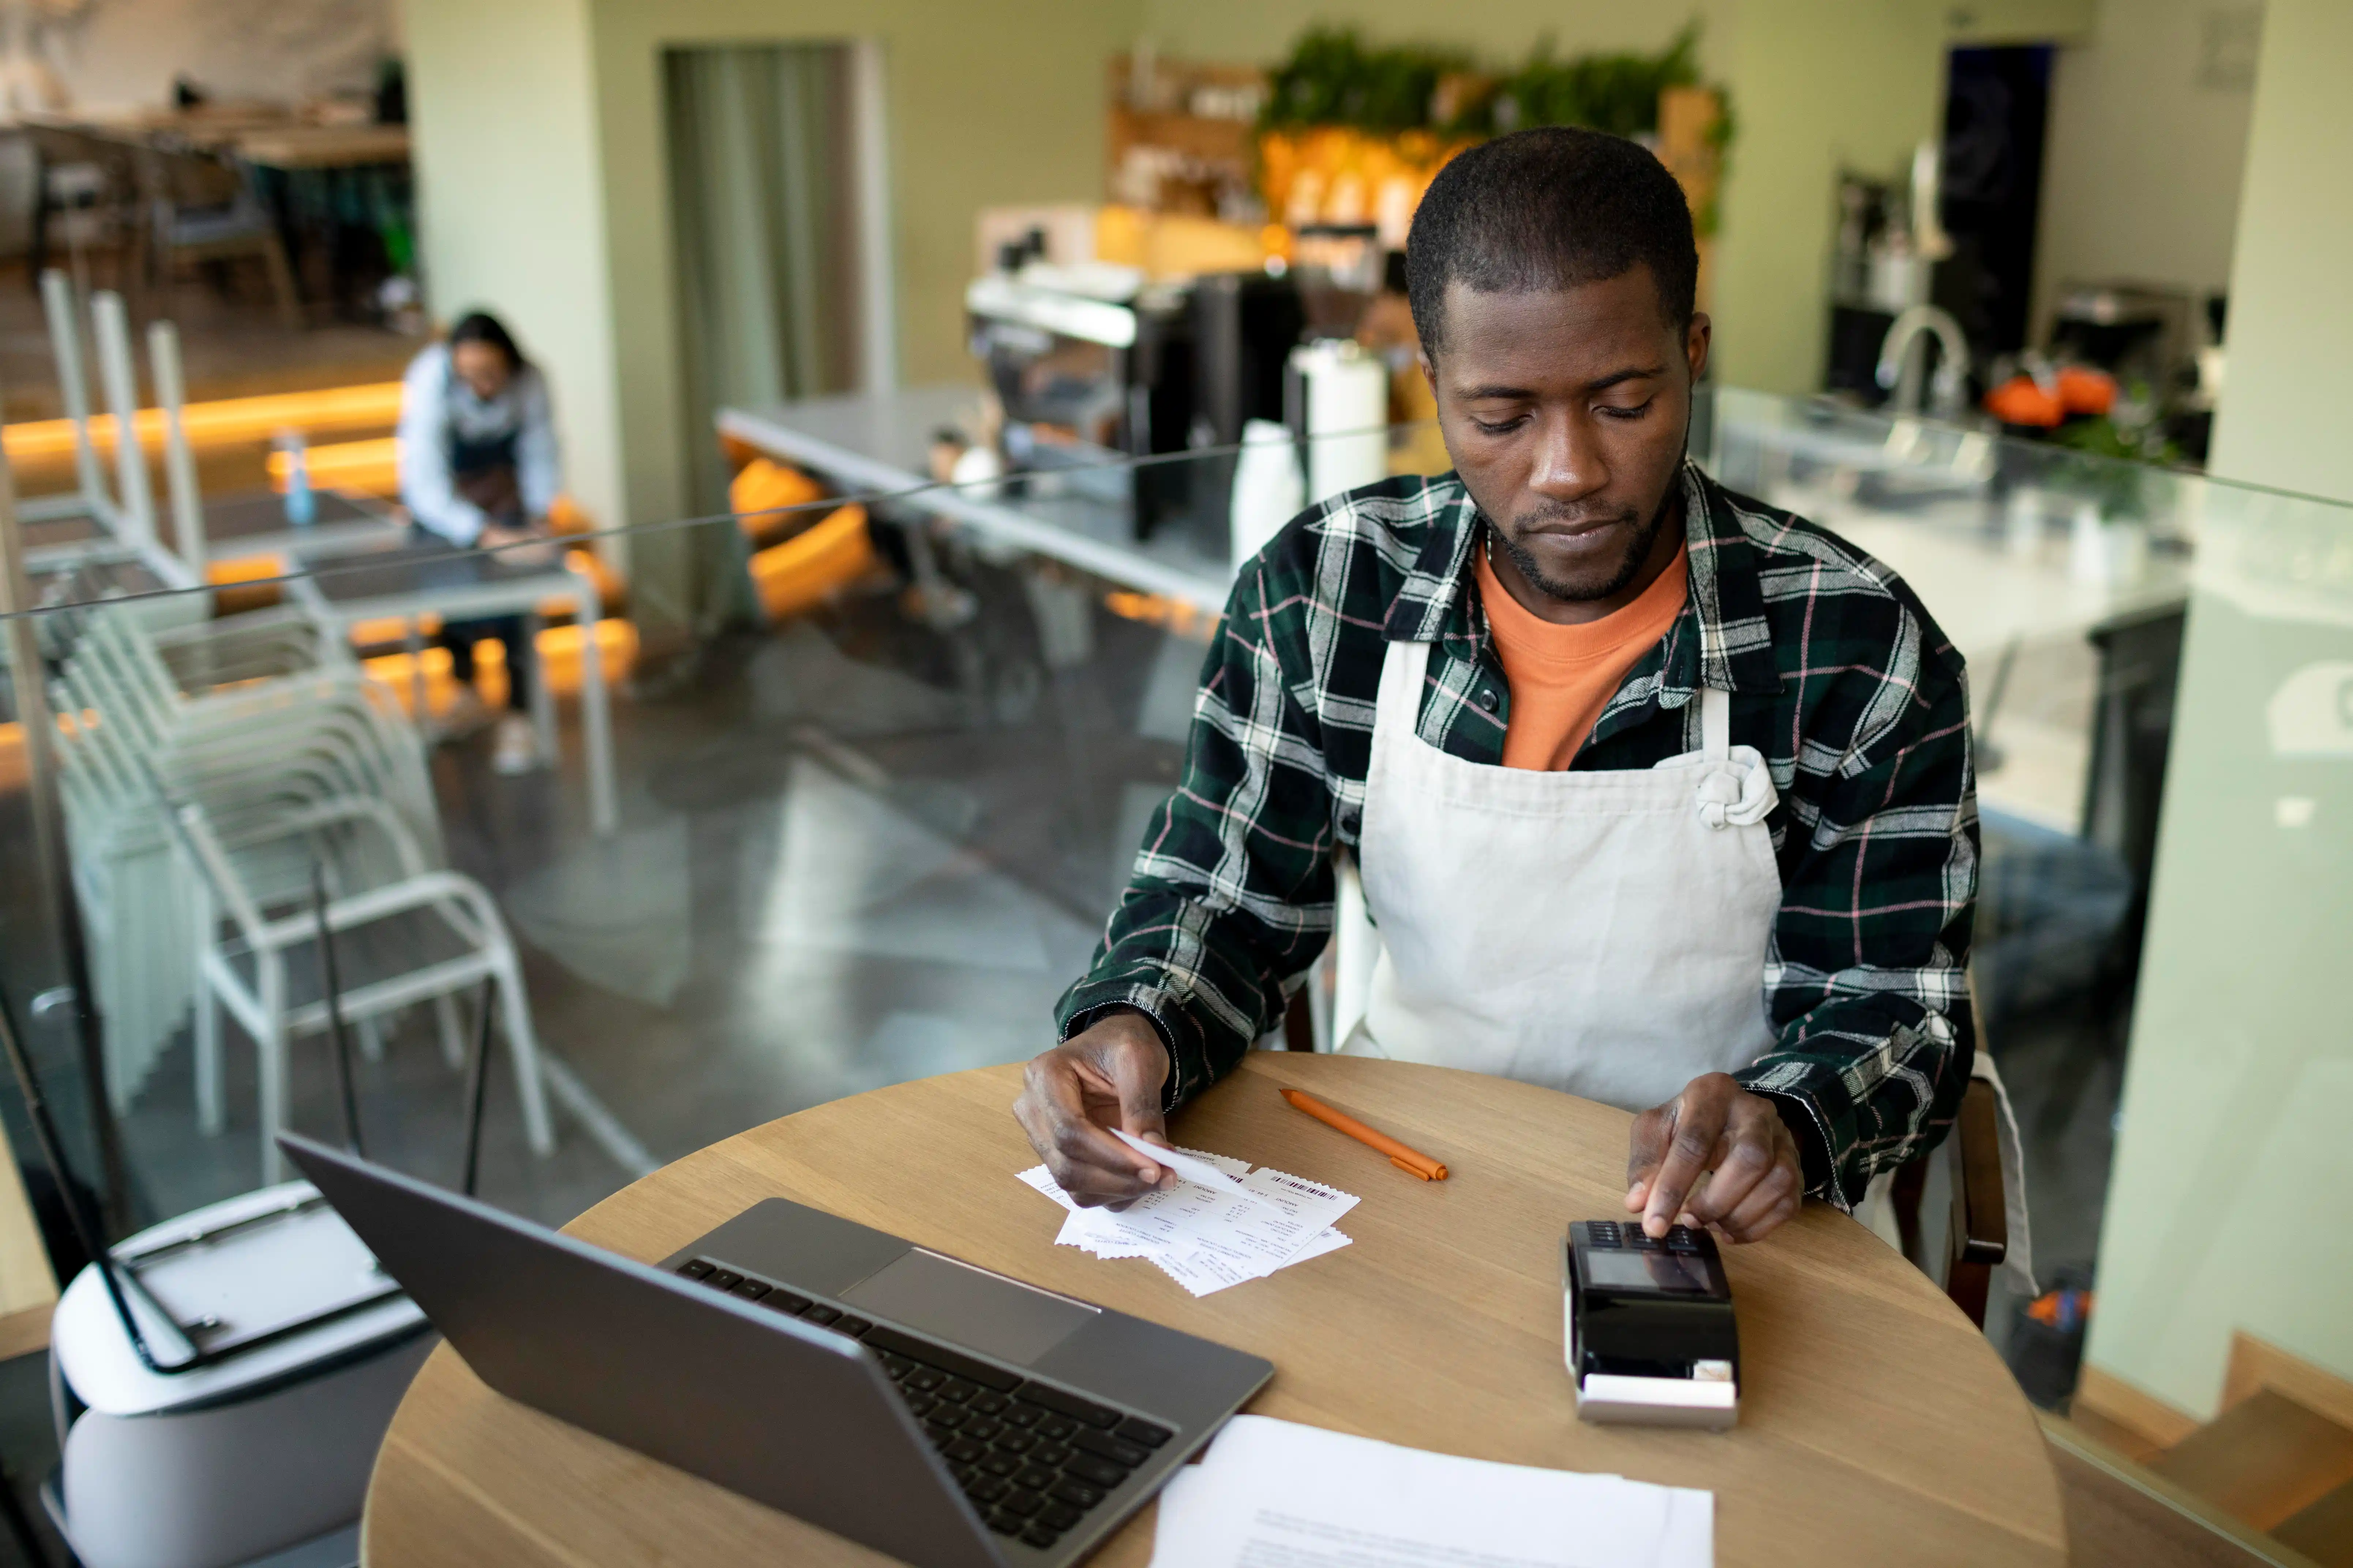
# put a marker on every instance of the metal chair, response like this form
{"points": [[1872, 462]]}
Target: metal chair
{"points": [[88, 197], [187, 812], [1975, 1229], [203, 207]]}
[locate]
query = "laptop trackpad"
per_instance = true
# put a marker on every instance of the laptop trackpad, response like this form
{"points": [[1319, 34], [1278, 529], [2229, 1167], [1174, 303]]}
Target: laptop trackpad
{"points": [[969, 1306]]}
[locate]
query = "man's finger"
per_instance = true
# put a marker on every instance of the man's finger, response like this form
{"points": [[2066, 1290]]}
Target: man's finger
{"points": [[1699, 1122], [1740, 1161], [1770, 1203], [1140, 1117], [1087, 1147], [1646, 1146], [1085, 1161]]}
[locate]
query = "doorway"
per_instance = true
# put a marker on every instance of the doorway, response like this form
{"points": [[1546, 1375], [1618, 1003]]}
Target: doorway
{"points": [[1997, 105], [779, 223]]}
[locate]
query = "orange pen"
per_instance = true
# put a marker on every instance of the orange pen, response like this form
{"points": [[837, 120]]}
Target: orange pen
{"points": [[1403, 1158]]}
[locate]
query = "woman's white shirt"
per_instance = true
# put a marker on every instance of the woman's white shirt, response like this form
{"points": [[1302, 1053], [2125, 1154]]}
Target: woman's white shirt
{"points": [[436, 405]]}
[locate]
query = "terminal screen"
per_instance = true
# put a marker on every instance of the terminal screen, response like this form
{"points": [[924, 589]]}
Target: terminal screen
{"points": [[1631, 1270]]}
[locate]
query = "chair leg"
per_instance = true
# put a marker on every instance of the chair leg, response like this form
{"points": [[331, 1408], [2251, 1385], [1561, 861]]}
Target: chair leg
{"points": [[210, 1115], [269, 1048], [281, 282], [523, 1046], [543, 694], [453, 1033]]}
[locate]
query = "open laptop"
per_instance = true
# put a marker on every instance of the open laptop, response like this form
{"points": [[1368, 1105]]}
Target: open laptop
{"points": [[936, 1410]]}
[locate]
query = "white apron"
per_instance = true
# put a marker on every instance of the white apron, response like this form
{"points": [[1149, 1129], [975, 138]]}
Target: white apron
{"points": [[1603, 933]]}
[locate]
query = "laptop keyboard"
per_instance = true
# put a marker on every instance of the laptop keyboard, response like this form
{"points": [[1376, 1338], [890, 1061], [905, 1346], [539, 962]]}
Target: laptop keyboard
{"points": [[1034, 1460]]}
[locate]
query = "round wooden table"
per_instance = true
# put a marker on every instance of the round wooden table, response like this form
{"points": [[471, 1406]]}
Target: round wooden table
{"points": [[1876, 1426]]}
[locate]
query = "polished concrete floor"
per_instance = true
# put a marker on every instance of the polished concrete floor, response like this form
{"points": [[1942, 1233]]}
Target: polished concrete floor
{"points": [[836, 868], [232, 343], [856, 850]]}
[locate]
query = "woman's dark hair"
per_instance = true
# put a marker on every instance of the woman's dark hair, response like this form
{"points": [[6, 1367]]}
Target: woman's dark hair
{"points": [[1550, 208], [481, 327]]}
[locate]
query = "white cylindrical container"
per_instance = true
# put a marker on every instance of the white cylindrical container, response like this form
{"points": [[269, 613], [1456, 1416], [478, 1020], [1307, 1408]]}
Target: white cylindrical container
{"points": [[2087, 545], [1347, 410], [1268, 490], [2023, 523]]}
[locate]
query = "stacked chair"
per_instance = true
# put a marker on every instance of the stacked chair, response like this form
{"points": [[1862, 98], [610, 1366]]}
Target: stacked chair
{"points": [[213, 776]]}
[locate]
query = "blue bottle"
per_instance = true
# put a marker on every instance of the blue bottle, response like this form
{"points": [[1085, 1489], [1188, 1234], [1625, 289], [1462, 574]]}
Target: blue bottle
{"points": [[302, 501]]}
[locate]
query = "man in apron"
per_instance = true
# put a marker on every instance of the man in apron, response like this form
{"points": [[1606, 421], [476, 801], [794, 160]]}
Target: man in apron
{"points": [[1660, 796], [478, 469]]}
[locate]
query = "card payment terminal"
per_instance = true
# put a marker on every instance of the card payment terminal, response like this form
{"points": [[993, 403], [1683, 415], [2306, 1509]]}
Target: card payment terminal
{"points": [[1648, 1331]]}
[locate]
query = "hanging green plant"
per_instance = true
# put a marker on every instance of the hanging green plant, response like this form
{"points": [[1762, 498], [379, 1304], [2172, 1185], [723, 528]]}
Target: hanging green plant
{"points": [[1332, 79], [1617, 94]]}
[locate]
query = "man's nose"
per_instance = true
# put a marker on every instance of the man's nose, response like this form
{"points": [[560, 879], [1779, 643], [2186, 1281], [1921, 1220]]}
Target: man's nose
{"points": [[1569, 464]]}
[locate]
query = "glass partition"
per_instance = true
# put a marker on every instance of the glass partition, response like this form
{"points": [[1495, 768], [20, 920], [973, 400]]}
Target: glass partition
{"points": [[861, 823], [837, 790], [2063, 580]]}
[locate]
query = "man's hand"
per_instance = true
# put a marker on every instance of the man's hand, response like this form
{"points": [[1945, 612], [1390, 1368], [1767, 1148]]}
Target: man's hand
{"points": [[1109, 1073], [1714, 1155]]}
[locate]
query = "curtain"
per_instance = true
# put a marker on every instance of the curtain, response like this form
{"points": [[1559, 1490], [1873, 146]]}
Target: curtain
{"points": [[760, 175]]}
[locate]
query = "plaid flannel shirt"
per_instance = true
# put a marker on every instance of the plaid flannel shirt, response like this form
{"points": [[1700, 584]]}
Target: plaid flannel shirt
{"points": [[1837, 675]]}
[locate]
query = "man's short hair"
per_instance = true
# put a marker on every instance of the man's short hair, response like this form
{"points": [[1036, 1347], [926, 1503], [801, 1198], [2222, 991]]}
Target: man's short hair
{"points": [[1550, 208]]}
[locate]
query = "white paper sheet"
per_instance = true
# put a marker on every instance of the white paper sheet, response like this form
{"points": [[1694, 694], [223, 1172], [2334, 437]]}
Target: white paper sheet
{"points": [[1208, 1236], [1201, 1169], [1272, 1494]]}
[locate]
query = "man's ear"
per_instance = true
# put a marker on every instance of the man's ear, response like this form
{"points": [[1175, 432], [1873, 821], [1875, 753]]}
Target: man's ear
{"points": [[1696, 339], [1428, 370]]}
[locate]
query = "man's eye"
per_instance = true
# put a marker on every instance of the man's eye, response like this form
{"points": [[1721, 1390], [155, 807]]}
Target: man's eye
{"points": [[1636, 411], [1498, 426]]}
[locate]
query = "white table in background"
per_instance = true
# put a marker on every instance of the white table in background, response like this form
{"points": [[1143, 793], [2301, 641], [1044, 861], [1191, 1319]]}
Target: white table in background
{"points": [[240, 527], [403, 584], [877, 442]]}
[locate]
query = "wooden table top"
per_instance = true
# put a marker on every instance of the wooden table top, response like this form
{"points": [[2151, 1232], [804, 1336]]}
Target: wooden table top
{"points": [[1876, 1426], [324, 146]]}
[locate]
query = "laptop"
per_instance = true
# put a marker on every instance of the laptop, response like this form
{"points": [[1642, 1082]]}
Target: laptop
{"points": [[949, 1416]]}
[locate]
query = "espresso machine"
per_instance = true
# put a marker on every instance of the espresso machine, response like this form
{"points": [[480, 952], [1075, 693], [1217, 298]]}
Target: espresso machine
{"points": [[1092, 364]]}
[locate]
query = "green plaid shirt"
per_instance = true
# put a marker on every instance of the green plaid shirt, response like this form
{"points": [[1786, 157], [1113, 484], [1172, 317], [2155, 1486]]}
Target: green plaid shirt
{"points": [[1837, 676]]}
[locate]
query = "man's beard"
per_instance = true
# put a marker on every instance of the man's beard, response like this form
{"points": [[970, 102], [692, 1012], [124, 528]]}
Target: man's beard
{"points": [[1646, 536]]}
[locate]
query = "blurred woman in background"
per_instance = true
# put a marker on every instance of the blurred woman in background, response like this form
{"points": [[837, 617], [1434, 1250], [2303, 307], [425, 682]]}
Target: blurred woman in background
{"points": [[478, 469]]}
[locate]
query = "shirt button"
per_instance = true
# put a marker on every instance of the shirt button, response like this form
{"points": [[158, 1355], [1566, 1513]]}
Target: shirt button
{"points": [[1487, 699], [1351, 822]]}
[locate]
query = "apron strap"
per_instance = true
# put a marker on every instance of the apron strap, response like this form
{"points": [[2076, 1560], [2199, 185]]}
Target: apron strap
{"points": [[1714, 723], [1404, 668]]}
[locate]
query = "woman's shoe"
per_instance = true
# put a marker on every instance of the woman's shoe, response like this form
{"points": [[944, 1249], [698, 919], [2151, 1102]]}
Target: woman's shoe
{"points": [[515, 748]]}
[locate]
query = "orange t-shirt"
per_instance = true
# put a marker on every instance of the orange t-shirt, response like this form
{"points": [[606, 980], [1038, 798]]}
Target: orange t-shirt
{"points": [[1563, 677]]}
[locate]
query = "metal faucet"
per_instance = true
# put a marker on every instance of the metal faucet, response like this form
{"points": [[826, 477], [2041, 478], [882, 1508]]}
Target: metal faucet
{"points": [[1900, 366]]}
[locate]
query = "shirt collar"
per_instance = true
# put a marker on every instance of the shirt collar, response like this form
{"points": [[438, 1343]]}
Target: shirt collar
{"points": [[1722, 639]]}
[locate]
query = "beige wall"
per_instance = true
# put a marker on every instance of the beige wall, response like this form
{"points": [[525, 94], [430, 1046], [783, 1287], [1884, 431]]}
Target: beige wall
{"points": [[1816, 85], [1499, 32], [2286, 408], [2232, 1136], [990, 102], [2141, 174], [510, 214], [545, 192]]}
